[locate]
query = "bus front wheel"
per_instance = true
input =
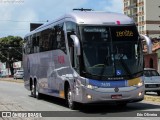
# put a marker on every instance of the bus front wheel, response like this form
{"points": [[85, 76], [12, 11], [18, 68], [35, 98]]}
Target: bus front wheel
{"points": [[70, 102]]}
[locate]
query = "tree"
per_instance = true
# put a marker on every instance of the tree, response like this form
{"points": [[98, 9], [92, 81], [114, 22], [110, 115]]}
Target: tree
{"points": [[11, 50]]}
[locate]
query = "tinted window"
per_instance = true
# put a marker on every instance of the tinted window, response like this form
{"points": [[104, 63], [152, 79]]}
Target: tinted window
{"points": [[49, 39], [71, 26]]}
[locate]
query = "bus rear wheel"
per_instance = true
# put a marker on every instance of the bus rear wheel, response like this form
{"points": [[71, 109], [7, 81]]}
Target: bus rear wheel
{"points": [[71, 104], [34, 91]]}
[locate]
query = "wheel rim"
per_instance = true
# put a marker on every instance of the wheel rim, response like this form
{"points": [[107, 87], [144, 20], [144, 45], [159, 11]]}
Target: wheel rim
{"points": [[70, 102], [36, 90], [32, 91]]}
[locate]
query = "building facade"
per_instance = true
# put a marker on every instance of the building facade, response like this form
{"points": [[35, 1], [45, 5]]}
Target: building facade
{"points": [[146, 14]]}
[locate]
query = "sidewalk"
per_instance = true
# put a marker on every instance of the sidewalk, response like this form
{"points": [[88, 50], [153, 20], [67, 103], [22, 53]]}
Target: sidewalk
{"points": [[10, 79]]}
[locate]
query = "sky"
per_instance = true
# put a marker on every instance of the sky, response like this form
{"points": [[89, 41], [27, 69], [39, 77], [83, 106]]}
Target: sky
{"points": [[16, 15]]}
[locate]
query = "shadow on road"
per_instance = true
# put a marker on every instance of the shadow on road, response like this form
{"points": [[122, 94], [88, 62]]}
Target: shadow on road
{"points": [[105, 108]]}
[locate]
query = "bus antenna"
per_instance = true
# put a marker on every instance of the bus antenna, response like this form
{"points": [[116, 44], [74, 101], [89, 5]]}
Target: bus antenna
{"points": [[82, 9]]}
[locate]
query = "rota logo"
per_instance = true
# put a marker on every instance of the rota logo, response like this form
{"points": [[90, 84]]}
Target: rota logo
{"points": [[61, 59]]}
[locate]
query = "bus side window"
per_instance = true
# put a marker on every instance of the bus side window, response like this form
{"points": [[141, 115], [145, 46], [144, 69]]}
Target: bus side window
{"points": [[60, 39], [34, 44], [29, 45], [51, 38], [25, 46], [54, 38]]}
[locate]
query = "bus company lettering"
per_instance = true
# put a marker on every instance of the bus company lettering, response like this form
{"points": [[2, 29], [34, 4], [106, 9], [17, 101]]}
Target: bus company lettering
{"points": [[61, 59], [125, 33]]}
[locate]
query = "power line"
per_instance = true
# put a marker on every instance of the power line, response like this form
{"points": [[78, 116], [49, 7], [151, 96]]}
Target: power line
{"points": [[13, 29]]}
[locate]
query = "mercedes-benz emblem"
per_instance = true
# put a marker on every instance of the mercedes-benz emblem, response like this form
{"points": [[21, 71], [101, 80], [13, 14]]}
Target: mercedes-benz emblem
{"points": [[116, 89]]}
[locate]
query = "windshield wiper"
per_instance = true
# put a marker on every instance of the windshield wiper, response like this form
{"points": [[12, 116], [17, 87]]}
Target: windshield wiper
{"points": [[85, 72], [138, 74], [98, 77]]}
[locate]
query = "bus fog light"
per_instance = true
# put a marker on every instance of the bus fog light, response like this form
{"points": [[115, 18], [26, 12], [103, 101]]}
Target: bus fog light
{"points": [[140, 93], [89, 96]]}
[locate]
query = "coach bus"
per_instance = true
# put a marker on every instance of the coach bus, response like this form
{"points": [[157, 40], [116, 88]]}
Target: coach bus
{"points": [[85, 57]]}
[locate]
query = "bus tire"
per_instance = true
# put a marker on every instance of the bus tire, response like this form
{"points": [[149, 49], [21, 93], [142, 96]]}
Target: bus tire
{"points": [[39, 96], [32, 90], [158, 93], [71, 104], [36, 92]]}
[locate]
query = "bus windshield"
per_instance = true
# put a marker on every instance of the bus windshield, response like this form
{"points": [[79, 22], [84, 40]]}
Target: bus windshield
{"points": [[111, 51]]}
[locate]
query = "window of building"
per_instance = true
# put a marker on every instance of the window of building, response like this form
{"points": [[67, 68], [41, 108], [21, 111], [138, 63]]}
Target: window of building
{"points": [[142, 18], [142, 28]]}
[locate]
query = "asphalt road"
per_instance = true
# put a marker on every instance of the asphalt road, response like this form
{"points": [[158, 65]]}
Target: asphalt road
{"points": [[14, 97]]}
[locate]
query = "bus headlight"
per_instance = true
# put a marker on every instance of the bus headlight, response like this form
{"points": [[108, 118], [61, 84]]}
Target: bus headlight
{"points": [[140, 84], [91, 87]]}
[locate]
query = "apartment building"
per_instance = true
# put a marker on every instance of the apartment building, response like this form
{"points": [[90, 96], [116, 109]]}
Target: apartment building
{"points": [[146, 14]]}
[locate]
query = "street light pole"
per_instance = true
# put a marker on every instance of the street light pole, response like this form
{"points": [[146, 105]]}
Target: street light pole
{"points": [[8, 62]]}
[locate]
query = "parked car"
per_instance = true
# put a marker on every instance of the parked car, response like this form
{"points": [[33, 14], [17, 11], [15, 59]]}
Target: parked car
{"points": [[19, 74], [151, 80]]}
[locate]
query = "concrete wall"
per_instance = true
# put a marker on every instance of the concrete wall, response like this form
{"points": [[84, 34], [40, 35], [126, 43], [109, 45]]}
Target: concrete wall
{"points": [[152, 9]]}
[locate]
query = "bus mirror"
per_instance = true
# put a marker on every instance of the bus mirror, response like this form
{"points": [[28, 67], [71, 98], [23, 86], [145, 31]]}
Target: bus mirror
{"points": [[148, 42], [76, 44]]}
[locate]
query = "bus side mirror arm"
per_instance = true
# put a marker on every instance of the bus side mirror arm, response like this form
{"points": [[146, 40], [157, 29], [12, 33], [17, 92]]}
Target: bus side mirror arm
{"points": [[76, 44], [148, 42]]}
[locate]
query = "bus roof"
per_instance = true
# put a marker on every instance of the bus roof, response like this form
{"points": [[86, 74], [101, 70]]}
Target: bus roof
{"points": [[90, 18]]}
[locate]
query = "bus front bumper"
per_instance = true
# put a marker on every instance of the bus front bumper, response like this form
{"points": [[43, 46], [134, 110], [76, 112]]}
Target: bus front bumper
{"points": [[133, 94]]}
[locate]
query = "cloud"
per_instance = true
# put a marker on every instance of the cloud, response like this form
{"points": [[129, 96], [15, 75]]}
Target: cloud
{"points": [[31, 10], [42, 10], [115, 6]]}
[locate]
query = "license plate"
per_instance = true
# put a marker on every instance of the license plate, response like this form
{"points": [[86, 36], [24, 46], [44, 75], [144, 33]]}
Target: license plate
{"points": [[116, 96]]}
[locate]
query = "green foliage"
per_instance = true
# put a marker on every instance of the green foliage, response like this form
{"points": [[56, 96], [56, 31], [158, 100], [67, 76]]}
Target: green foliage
{"points": [[11, 50]]}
